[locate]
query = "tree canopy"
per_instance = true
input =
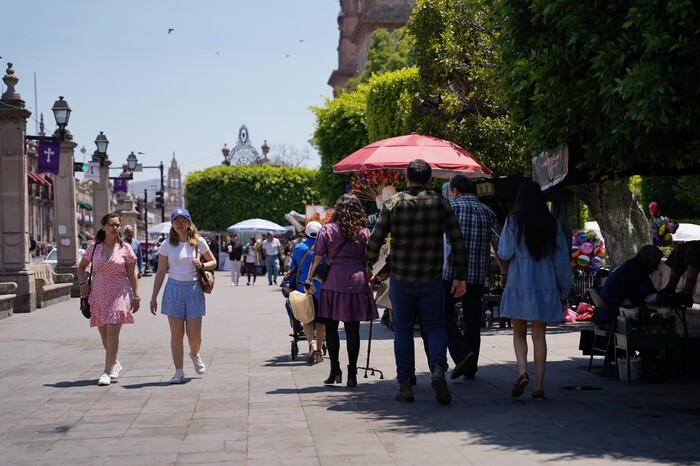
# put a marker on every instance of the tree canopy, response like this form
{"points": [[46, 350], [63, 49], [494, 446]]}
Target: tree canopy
{"points": [[618, 80], [457, 60]]}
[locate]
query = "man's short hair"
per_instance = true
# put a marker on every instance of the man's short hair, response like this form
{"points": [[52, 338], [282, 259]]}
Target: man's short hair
{"points": [[462, 184], [418, 171], [128, 227]]}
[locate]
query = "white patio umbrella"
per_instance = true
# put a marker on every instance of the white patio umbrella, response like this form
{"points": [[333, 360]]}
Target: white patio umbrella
{"points": [[160, 229], [256, 225], [686, 232]]}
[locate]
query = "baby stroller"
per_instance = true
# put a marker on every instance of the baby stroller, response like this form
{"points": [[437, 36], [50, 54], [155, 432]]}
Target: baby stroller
{"points": [[297, 333]]}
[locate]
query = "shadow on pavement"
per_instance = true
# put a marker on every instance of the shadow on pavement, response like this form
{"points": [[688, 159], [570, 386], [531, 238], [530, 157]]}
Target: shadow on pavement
{"points": [[75, 383]]}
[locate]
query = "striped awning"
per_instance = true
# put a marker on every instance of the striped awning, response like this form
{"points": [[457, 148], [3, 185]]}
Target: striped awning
{"points": [[38, 179], [83, 204]]}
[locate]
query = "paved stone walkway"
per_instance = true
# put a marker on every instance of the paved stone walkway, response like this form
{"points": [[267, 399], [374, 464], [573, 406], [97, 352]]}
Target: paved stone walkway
{"points": [[255, 405]]}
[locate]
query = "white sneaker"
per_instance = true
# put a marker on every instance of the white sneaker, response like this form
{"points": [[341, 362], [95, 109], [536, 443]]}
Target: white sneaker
{"points": [[199, 367], [114, 373], [104, 379], [179, 377]]}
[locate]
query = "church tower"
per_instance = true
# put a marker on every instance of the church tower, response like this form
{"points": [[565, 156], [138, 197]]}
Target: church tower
{"points": [[173, 190], [357, 20]]}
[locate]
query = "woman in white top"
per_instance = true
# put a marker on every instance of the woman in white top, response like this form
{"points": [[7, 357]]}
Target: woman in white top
{"points": [[183, 298]]}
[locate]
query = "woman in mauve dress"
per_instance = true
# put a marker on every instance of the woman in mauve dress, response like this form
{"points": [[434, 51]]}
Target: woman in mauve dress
{"points": [[345, 295]]}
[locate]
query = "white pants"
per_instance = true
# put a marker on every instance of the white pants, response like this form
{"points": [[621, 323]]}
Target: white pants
{"points": [[235, 271]]}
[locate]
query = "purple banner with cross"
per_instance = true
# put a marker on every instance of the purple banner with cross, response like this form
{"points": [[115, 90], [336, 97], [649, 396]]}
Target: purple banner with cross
{"points": [[120, 185], [49, 155]]}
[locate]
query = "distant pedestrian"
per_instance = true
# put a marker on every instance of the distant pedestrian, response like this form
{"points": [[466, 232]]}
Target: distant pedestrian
{"points": [[136, 246], [183, 298], [538, 279], [235, 251], [114, 291], [251, 257], [271, 249]]}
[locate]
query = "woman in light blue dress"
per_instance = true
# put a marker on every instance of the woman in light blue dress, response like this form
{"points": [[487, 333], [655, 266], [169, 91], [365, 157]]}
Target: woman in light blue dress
{"points": [[538, 278]]}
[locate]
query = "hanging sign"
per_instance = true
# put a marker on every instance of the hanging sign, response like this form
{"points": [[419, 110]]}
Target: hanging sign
{"points": [[93, 172], [120, 185], [49, 155]]}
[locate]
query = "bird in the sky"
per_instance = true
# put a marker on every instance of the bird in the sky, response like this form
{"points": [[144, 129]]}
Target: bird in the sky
{"points": [[170, 30], [287, 56], [301, 40]]}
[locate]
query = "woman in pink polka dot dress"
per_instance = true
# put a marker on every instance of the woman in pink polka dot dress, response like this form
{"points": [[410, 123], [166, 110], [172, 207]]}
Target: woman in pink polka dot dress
{"points": [[114, 291]]}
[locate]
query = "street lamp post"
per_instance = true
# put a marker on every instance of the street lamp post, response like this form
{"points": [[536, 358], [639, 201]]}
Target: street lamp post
{"points": [[147, 265], [100, 192], [132, 161]]}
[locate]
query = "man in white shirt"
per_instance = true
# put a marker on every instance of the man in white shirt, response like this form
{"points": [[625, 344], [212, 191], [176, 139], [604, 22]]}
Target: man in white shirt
{"points": [[271, 251]]}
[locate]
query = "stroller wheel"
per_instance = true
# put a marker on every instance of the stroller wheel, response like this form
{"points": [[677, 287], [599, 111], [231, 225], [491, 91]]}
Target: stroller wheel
{"points": [[295, 350]]}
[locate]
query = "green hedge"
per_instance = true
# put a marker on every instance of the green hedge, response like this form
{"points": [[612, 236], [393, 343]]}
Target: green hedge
{"points": [[221, 196]]}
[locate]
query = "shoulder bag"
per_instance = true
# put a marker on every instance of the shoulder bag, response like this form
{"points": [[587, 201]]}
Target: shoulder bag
{"points": [[84, 300], [324, 268], [205, 277], [290, 281]]}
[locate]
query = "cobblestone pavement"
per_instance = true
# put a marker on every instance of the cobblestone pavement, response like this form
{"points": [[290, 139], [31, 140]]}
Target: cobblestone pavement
{"points": [[255, 405]]}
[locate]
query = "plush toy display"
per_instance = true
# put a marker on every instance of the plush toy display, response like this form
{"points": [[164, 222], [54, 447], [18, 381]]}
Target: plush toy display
{"points": [[661, 227], [587, 250]]}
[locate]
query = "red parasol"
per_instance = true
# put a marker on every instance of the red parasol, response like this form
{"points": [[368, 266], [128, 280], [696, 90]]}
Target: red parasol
{"points": [[444, 157]]}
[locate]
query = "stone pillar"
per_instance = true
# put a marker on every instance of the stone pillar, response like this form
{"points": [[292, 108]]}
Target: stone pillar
{"points": [[129, 214], [101, 196], [14, 202], [65, 219]]}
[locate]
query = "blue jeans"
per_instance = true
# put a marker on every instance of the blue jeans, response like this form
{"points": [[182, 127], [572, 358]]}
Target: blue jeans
{"points": [[273, 268], [427, 300]]}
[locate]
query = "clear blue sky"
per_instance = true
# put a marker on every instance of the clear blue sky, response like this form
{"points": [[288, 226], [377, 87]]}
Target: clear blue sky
{"points": [[261, 63]]}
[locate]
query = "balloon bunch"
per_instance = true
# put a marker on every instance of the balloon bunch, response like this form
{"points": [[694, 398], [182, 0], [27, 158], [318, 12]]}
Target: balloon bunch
{"points": [[587, 250], [661, 227]]}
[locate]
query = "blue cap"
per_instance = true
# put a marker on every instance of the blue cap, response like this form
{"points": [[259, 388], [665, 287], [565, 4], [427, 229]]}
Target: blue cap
{"points": [[180, 213]]}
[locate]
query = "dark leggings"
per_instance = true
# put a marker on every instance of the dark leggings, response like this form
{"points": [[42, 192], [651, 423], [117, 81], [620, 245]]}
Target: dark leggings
{"points": [[352, 334]]}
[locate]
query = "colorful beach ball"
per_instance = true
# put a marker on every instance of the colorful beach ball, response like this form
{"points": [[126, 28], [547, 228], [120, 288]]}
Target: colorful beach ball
{"points": [[583, 260], [586, 248]]}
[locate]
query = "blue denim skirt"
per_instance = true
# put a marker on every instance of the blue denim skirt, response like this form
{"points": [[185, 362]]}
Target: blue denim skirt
{"points": [[183, 299]]}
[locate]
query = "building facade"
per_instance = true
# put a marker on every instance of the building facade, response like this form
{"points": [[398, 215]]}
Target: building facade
{"points": [[357, 20]]}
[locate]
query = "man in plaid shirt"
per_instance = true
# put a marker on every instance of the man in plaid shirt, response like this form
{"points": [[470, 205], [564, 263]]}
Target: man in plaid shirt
{"points": [[417, 218], [479, 225]]}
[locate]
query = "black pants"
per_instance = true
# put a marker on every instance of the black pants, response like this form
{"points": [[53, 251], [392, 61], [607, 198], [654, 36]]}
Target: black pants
{"points": [[352, 334], [460, 345]]}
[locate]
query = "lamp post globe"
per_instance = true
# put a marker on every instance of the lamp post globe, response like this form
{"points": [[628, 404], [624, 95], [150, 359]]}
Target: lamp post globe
{"points": [[132, 161], [61, 112], [101, 142]]}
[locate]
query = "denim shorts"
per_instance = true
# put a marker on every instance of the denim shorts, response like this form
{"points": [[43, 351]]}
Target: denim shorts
{"points": [[183, 299]]}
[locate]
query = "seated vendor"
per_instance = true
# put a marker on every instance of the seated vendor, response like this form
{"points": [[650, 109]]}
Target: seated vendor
{"points": [[630, 284], [685, 258]]}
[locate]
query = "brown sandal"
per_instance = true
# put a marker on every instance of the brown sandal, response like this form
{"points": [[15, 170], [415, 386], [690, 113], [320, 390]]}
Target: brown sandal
{"points": [[520, 384]]}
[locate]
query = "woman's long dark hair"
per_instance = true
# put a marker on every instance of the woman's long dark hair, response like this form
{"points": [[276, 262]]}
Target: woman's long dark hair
{"points": [[350, 216], [100, 236], [535, 222]]}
